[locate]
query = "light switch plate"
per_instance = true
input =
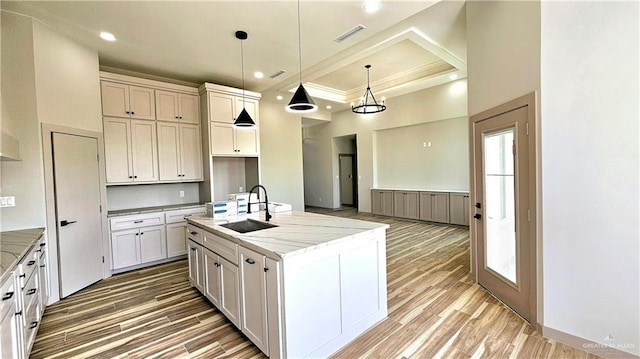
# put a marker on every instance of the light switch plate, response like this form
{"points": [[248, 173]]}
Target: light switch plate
{"points": [[8, 201]]}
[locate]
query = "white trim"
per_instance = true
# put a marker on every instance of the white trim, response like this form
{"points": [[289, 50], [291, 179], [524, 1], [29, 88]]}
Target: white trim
{"points": [[600, 349], [137, 81]]}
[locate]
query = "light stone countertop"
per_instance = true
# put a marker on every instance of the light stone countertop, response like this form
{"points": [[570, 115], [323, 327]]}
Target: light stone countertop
{"points": [[14, 245], [419, 190], [129, 211], [297, 232]]}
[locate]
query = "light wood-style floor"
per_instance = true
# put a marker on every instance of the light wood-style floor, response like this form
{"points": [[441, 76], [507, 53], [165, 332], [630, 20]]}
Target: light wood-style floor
{"points": [[435, 311]]}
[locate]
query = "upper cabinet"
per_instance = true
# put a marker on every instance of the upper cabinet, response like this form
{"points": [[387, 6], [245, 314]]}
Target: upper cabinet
{"points": [[222, 106], [130, 150], [121, 100], [177, 107], [180, 154]]}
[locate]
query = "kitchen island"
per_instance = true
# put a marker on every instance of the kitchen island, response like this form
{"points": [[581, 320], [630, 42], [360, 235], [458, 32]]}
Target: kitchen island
{"points": [[301, 289]]}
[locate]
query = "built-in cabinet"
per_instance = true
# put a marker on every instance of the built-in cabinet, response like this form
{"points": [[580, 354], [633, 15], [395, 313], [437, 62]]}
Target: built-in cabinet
{"points": [[130, 150], [382, 202], [253, 291], [459, 208], [180, 155], [122, 100], [24, 296], [152, 131], [177, 107], [432, 206], [222, 105], [406, 204]]}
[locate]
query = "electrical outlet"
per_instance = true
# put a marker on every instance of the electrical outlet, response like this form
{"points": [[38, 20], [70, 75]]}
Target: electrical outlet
{"points": [[319, 199], [240, 189], [181, 194], [8, 201]]}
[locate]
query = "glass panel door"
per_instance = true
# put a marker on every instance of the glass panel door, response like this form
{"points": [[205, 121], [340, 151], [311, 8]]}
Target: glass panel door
{"points": [[500, 224]]}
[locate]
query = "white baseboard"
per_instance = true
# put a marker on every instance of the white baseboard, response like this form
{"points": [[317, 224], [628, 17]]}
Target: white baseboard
{"points": [[603, 350]]}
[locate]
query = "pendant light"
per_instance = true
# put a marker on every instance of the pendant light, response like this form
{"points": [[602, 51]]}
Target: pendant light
{"points": [[368, 103], [301, 101], [243, 119]]}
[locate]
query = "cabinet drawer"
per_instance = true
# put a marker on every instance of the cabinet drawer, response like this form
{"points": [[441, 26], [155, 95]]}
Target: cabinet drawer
{"points": [[222, 247], [31, 321], [179, 215], [194, 233], [27, 266], [30, 294], [136, 221], [8, 294]]}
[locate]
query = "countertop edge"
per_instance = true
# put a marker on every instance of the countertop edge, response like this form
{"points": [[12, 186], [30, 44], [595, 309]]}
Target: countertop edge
{"points": [[12, 267], [142, 210]]}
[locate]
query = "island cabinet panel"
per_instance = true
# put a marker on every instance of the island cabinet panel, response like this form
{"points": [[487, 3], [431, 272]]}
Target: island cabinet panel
{"points": [[196, 265], [221, 285], [253, 290]]}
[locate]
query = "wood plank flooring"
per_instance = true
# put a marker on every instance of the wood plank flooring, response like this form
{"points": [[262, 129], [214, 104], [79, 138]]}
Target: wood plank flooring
{"points": [[435, 311]]}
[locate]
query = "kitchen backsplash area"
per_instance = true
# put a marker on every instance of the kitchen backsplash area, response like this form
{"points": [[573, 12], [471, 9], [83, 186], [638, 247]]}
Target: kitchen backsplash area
{"points": [[151, 195]]}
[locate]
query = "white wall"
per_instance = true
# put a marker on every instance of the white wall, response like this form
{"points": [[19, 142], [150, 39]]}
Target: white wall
{"points": [[403, 161], [447, 101], [590, 171], [23, 179], [503, 51], [281, 154]]}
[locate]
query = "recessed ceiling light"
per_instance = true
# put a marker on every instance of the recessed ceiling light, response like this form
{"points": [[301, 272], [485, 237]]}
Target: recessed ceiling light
{"points": [[107, 36], [258, 74], [279, 97], [371, 6], [328, 107], [453, 77]]}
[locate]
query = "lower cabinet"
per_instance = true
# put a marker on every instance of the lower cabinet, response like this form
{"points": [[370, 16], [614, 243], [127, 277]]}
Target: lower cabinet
{"points": [[196, 265], [136, 246], [253, 290], [9, 320], [221, 285], [382, 202], [406, 204], [459, 209], [434, 206]]}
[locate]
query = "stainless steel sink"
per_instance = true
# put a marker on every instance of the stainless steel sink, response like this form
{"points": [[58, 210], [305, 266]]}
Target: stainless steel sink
{"points": [[248, 225]]}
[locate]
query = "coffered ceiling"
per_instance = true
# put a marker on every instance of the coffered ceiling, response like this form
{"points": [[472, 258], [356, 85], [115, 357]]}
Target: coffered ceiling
{"points": [[410, 45]]}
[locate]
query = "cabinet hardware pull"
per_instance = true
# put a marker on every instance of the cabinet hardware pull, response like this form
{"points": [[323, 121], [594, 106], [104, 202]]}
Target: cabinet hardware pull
{"points": [[38, 250], [33, 325], [266, 269], [30, 263], [19, 313], [138, 221], [22, 275], [194, 233], [43, 244], [128, 113], [133, 113], [31, 291], [193, 249], [216, 264], [130, 176], [478, 205], [141, 233], [7, 296], [176, 117], [181, 117], [250, 261], [135, 176], [42, 266]]}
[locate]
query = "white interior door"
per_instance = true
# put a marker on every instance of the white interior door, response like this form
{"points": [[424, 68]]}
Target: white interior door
{"points": [[77, 197], [346, 180]]}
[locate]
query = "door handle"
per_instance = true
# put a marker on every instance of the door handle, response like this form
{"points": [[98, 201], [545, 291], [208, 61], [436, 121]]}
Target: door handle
{"points": [[66, 223], [477, 216]]}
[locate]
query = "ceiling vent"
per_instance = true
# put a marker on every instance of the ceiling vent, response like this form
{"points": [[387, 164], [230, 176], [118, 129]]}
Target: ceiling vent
{"points": [[277, 73], [349, 33]]}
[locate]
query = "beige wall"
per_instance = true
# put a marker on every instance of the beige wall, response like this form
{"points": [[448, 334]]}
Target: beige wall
{"points": [[47, 78], [403, 161], [590, 169], [447, 101], [281, 154]]}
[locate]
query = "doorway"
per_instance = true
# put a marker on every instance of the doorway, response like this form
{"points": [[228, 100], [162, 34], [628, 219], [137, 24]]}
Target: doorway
{"points": [[503, 145], [75, 198], [348, 184]]}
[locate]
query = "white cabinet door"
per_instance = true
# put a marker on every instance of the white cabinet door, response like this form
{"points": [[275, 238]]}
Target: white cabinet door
{"points": [[190, 152], [253, 292], [153, 244], [222, 138], [124, 248], [115, 99], [212, 277], [10, 345], [196, 265], [117, 144], [144, 151], [189, 108], [141, 103], [176, 239], [167, 106], [169, 151], [246, 141], [230, 291], [221, 108]]}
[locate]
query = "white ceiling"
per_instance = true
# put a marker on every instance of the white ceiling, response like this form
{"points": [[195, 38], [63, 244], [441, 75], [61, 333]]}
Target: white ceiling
{"points": [[411, 45]]}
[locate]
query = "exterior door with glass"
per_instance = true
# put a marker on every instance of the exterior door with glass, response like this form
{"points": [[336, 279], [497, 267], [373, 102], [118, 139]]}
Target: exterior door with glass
{"points": [[505, 250]]}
